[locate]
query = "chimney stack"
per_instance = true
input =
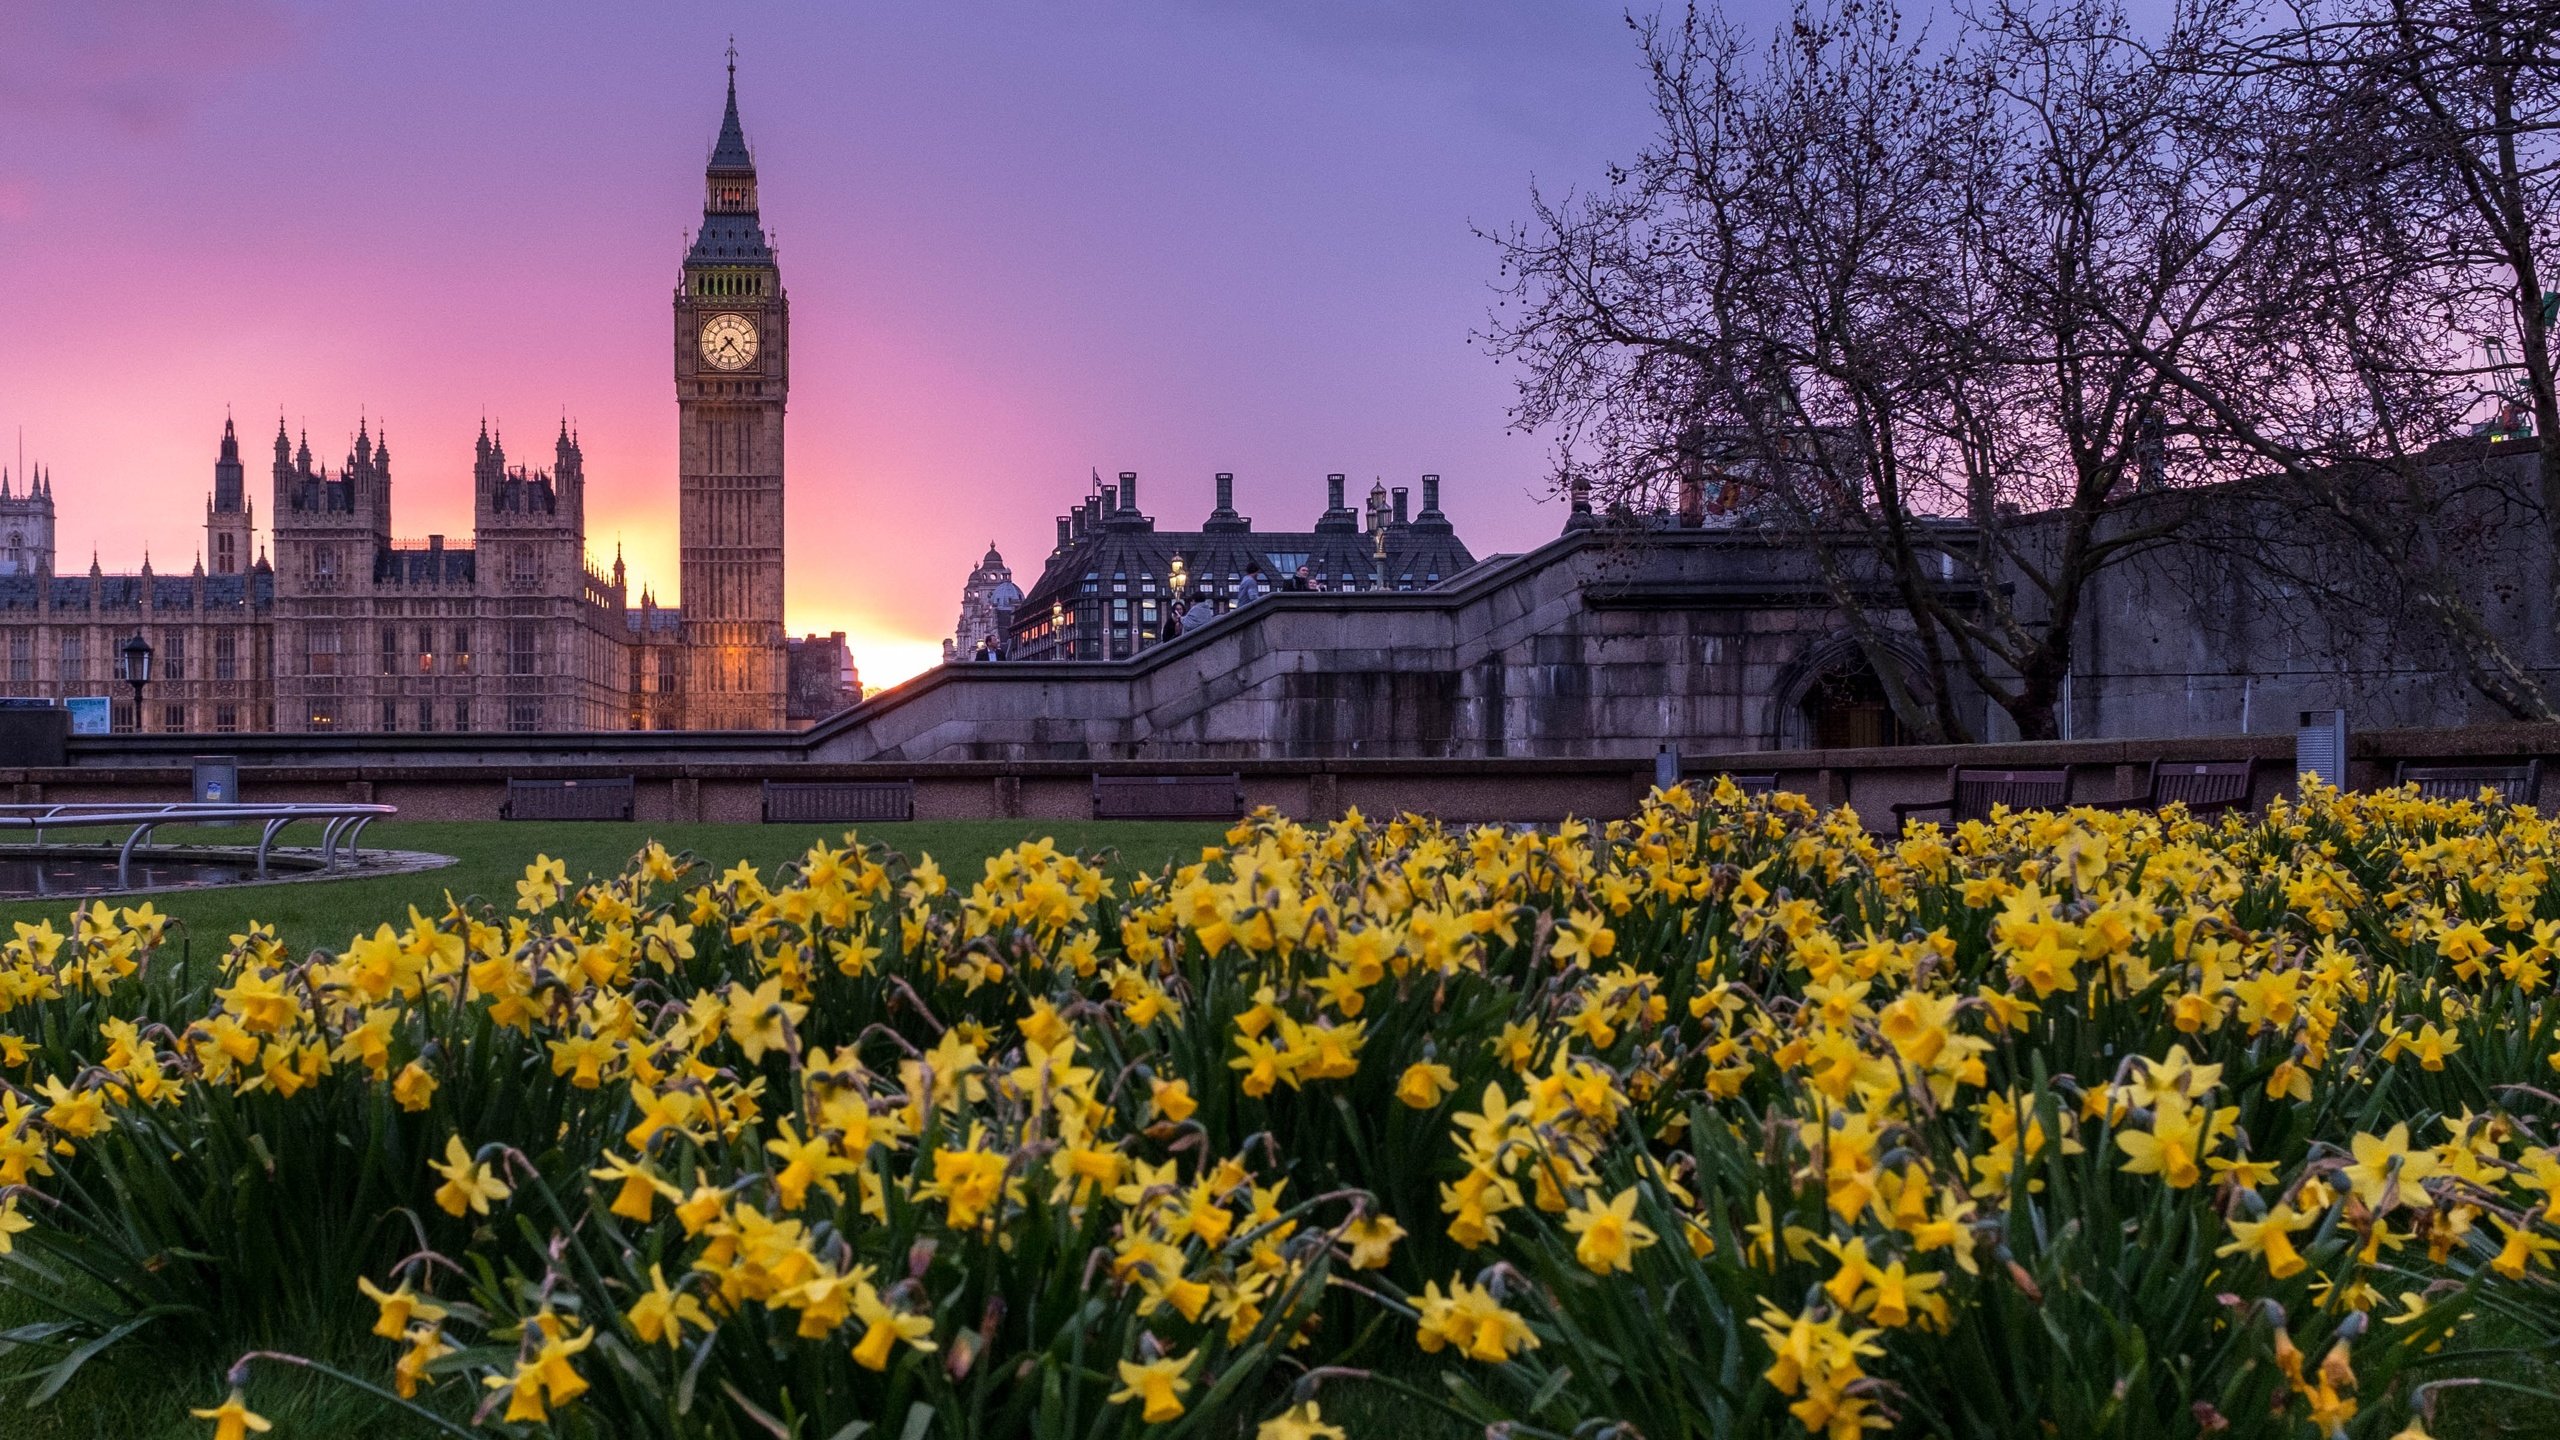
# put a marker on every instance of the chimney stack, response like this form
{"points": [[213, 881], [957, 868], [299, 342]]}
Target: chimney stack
{"points": [[1109, 501], [1224, 519], [1065, 532], [1400, 515], [1338, 518], [1129, 490], [1430, 494]]}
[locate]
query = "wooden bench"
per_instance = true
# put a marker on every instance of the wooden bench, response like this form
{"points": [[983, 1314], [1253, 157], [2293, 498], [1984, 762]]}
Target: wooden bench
{"points": [[1168, 797], [837, 802], [2515, 784], [607, 799], [1971, 793], [2205, 787]]}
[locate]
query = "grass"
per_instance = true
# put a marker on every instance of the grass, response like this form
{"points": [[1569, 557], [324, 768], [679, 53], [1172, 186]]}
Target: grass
{"points": [[308, 914], [145, 1394]]}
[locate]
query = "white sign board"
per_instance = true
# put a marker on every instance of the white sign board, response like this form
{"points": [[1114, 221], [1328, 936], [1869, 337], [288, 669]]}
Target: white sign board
{"points": [[90, 715]]}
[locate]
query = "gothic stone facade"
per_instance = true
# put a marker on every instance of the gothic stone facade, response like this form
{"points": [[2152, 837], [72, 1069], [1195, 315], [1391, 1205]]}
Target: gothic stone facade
{"points": [[211, 633], [514, 631], [351, 627]]}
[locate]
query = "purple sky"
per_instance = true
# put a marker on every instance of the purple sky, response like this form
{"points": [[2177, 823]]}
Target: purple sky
{"points": [[1022, 241]]}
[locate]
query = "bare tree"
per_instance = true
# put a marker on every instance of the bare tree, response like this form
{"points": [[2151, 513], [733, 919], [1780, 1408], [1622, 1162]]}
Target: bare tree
{"points": [[2402, 161], [1878, 283]]}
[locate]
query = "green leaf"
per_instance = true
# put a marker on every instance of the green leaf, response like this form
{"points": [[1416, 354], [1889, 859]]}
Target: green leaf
{"points": [[60, 1375], [693, 1373], [772, 1426]]}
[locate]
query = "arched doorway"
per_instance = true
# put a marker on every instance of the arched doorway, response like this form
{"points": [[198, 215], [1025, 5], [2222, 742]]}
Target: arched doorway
{"points": [[1846, 709]]}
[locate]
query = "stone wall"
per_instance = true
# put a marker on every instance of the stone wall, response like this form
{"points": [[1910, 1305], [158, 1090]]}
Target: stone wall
{"points": [[1592, 645], [730, 789], [2261, 610]]}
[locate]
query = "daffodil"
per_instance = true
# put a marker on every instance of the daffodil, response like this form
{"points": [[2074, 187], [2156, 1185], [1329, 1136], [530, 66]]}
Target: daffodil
{"points": [[661, 1313], [884, 1327], [1610, 1233], [1372, 1238], [1157, 1385], [233, 1419], [1425, 1084], [2270, 1239], [469, 1186], [398, 1308], [1304, 1421]]}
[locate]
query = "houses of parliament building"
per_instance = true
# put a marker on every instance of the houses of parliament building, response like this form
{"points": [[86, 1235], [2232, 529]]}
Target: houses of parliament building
{"points": [[343, 627]]}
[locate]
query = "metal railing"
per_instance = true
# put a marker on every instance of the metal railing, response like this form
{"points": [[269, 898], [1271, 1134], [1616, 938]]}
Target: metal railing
{"points": [[341, 825]]}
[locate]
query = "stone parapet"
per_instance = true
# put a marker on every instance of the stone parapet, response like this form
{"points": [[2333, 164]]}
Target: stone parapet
{"points": [[694, 781]]}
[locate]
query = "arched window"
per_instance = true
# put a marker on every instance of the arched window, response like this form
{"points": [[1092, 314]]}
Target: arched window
{"points": [[1847, 710]]}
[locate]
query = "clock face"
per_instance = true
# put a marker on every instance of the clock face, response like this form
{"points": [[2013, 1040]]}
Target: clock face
{"points": [[728, 342]]}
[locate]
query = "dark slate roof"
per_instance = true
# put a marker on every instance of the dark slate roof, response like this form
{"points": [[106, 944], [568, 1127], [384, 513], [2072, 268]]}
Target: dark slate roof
{"points": [[1419, 555], [655, 621], [426, 565], [727, 239], [729, 152], [124, 592]]}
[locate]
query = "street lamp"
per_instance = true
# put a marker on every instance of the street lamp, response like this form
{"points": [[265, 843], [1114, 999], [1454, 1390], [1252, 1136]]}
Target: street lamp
{"points": [[1178, 580], [137, 672], [1058, 629]]}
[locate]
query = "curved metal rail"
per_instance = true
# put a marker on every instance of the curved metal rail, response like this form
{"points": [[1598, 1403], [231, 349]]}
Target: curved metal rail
{"points": [[341, 824]]}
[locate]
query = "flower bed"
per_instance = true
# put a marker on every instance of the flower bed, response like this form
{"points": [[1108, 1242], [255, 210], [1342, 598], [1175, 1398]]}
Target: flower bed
{"points": [[1724, 1120]]}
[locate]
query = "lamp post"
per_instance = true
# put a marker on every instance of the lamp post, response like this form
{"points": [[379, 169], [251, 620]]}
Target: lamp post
{"points": [[1180, 578], [1058, 629], [137, 672]]}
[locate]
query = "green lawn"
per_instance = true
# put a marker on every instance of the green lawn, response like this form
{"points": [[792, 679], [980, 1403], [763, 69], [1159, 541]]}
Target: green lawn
{"points": [[493, 855]]}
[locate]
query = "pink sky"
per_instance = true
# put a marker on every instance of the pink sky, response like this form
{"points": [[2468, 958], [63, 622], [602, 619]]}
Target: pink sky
{"points": [[1022, 242]]}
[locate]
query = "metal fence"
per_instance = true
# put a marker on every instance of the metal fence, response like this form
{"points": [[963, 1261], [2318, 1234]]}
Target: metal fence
{"points": [[341, 825]]}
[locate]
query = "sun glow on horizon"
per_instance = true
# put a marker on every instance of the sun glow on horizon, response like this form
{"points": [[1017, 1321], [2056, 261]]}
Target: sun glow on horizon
{"points": [[885, 657]]}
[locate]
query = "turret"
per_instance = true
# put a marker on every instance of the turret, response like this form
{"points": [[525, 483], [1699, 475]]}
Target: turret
{"points": [[26, 524], [569, 477], [227, 472], [228, 515]]}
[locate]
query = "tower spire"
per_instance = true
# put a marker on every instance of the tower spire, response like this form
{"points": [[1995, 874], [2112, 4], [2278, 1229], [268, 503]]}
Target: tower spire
{"points": [[729, 152]]}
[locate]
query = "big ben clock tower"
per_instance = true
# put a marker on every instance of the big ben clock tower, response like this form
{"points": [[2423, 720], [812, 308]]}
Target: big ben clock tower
{"points": [[733, 373]]}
